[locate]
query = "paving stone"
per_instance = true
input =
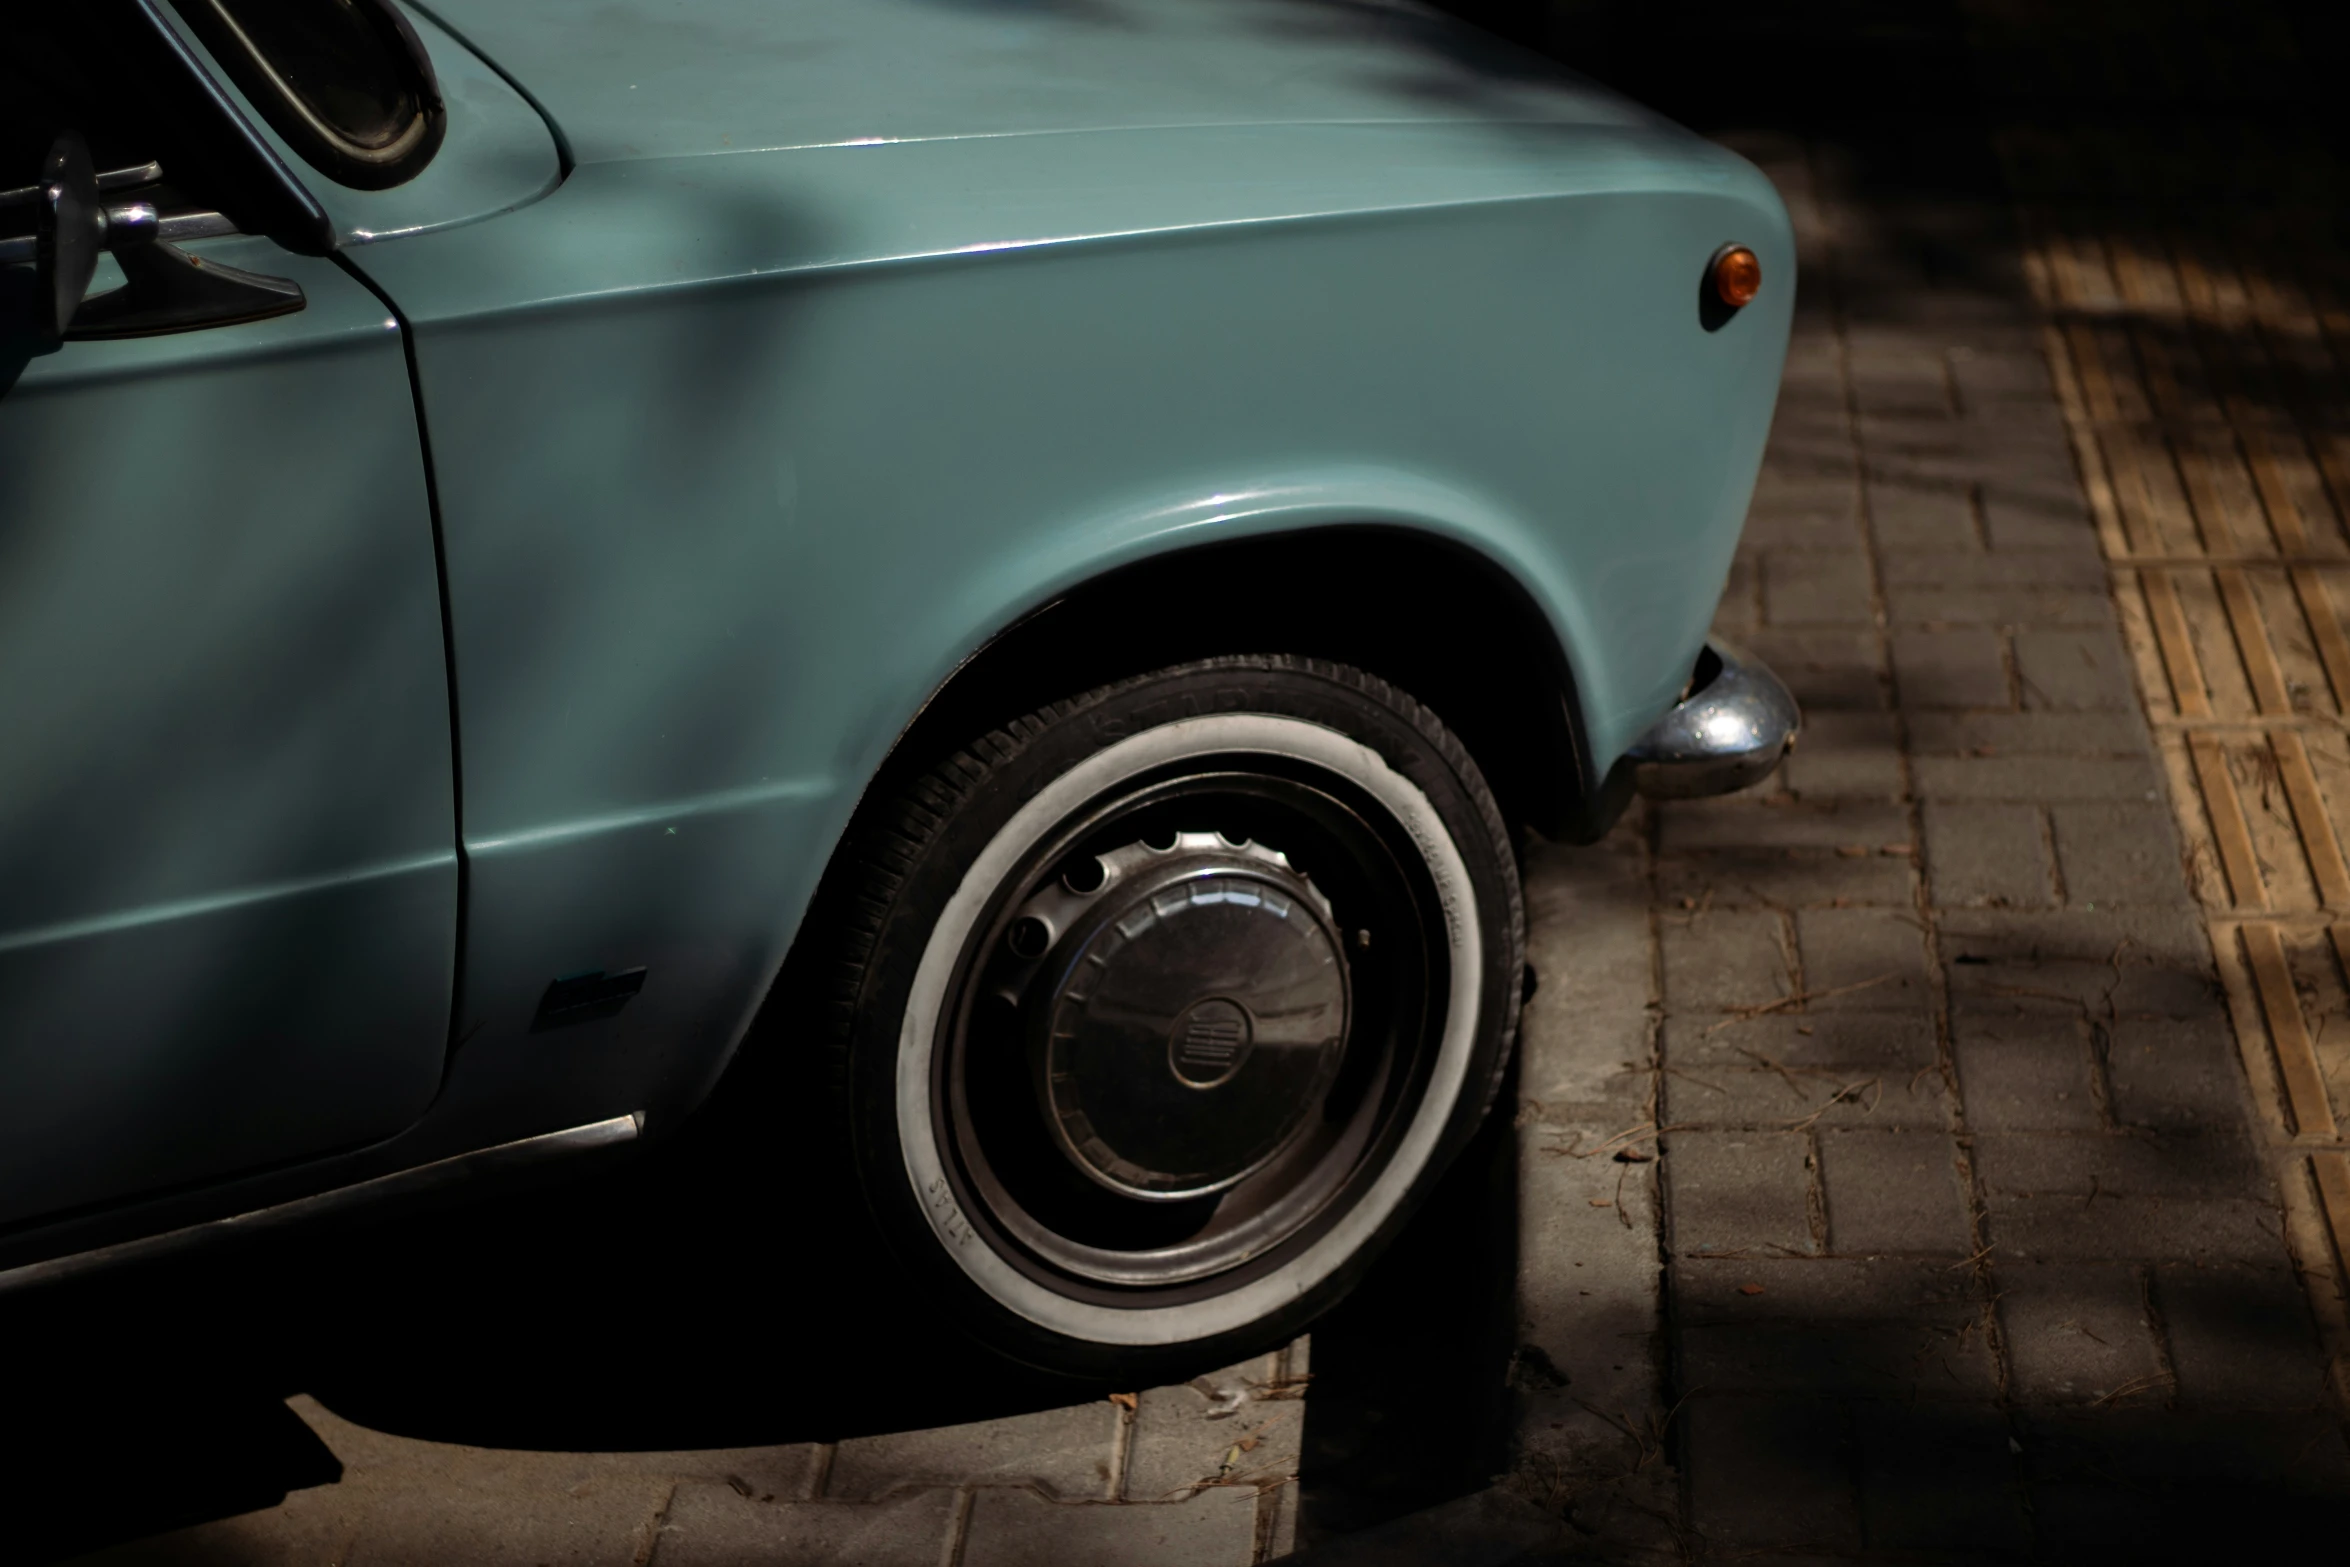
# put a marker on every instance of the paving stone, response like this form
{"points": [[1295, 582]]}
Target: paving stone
{"points": [[2240, 1338], [1815, 588], [1770, 1473], [2081, 573], [1928, 606], [1876, 957], [1873, 349], [2077, 1332], [2134, 1229], [1828, 671], [1900, 391], [1983, 379], [1715, 961], [1832, 1292], [1733, 1191], [1823, 774], [2154, 1449], [2074, 669], [1897, 412], [1588, 1281], [2028, 734], [1762, 1098], [1795, 488], [1773, 526], [2035, 778], [2109, 962], [1932, 445], [1589, 1288], [1811, 436], [1780, 878], [1847, 755], [1988, 854], [713, 1526], [2039, 521], [2217, 1163], [1916, 518], [1951, 452], [1865, 1327], [2118, 852], [2166, 1072], [1180, 1436], [2150, 1484], [1892, 1191], [1739, 610], [1216, 1528], [2024, 1071], [1067, 1452], [1892, 1043], [1585, 1034], [1944, 669], [2034, 422], [1747, 824], [598, 1521], [1938, 1477]]}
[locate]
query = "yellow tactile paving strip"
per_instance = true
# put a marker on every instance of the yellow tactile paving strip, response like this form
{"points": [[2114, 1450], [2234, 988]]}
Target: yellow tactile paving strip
{"points": [[2207, 390]]}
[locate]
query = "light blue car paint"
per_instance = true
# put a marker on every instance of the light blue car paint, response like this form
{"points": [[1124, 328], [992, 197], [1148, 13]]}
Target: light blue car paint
{"points": [[228, 878], [861, 328], [633, 79], [741, 452]]}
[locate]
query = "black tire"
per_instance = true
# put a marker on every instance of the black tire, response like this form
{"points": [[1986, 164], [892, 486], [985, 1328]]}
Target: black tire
{"points": [[1156, 1013]]}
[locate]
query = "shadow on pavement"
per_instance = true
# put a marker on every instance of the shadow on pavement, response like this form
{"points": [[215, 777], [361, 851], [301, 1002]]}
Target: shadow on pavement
{"points": [[654, 1304], [667, 1302]]}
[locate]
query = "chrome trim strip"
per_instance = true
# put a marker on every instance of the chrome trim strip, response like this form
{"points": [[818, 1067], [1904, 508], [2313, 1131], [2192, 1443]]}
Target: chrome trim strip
{"points": [[177, 229], [424, 1177], [181, 227], [1729, 733]]}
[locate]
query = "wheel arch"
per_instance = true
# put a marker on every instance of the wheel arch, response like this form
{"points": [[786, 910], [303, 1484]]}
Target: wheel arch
{"points": [[1437, 617]]}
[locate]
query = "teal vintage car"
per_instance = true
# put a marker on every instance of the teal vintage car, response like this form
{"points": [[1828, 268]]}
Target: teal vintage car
{"points": [[1038, 553]]}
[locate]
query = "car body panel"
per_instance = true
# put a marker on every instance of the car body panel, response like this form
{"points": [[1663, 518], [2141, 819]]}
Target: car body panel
{"points": [[639, 79], [740, 457], [228, 914], [859, 331]]}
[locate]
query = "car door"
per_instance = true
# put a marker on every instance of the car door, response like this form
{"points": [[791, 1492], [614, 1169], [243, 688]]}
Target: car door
{"points": [[228, 877]]}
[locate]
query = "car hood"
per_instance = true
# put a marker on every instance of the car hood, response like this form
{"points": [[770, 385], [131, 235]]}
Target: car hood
{"points": [[635, 79]]}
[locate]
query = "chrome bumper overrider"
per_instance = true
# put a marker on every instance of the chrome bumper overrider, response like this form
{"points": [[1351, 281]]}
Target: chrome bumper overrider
{"points": [[1736, 724]]}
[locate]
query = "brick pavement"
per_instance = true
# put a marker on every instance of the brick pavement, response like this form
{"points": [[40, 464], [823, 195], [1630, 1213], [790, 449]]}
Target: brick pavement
{"points": [[1969, 1235], [1972, 1232]]}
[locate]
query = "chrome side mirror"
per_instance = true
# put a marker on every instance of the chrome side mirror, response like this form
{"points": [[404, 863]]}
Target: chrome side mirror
{"points": [[73, 225], [164, 288]]}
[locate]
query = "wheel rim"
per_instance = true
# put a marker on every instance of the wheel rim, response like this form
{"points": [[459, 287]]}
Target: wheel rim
{"points": [[1158, 1074]]}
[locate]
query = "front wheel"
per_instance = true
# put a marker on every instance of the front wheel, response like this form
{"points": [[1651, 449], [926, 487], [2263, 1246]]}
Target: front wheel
{"points": [[1163, 1008]]}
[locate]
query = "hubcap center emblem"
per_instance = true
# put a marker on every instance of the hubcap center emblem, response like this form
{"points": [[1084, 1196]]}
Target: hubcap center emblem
{"points": [[1209, 1042]]}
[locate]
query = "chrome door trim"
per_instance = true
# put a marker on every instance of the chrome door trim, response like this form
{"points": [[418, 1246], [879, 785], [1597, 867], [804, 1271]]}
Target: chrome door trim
{"points": [[400, 1183]]}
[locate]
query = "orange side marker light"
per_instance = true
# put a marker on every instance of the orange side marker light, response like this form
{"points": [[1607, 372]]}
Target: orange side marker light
{"points": [[1737, 275]]}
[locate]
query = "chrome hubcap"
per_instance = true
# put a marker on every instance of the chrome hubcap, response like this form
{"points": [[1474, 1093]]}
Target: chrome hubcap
{"points": [[1166, 1060], [1197, 1013]]}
